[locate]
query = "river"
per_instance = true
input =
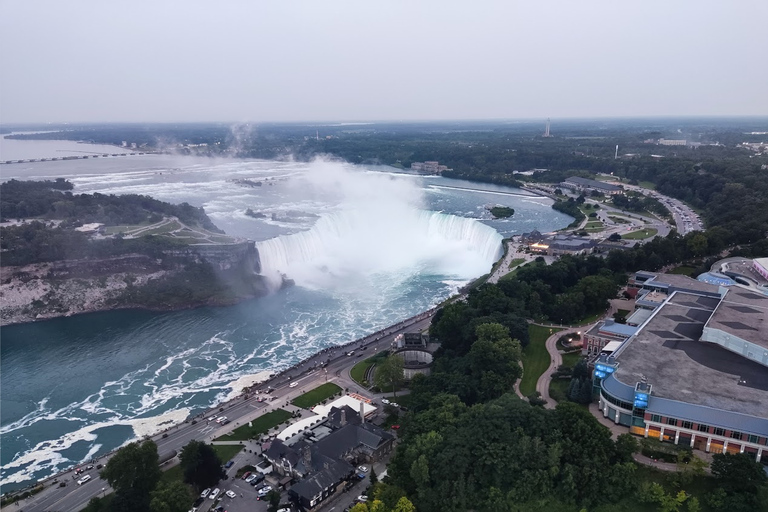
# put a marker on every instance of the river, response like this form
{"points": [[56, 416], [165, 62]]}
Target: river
{"points": [[367, 247]]}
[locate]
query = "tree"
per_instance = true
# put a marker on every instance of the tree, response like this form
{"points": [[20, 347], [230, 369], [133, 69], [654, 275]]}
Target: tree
{"points": [[738, 473], [200, 465], [360, 507], [626, 446], [273, 498], [404, 505], [133, 473], [389, 373], [171, 497], [374, 477]]}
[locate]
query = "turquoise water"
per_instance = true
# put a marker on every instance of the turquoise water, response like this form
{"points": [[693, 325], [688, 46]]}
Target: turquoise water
{"points": [[73, 388]]}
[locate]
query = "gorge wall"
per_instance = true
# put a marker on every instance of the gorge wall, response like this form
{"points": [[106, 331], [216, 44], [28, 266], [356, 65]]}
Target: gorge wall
{"points": [[193, 276]]}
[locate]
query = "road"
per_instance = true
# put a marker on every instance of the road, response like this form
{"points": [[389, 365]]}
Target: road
{"points": [[685, 218], [308, 374]]}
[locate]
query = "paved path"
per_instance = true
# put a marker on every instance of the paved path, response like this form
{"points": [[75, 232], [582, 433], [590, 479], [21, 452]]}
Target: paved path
{"points": [[512, 254], [556, 359]]}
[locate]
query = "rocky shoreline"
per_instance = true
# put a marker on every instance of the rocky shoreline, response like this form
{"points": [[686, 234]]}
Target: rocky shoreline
{"points": [[45, 291]]}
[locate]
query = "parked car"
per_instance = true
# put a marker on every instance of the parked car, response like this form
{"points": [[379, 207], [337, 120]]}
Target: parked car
{"points": [[363, 469], [229, 464], [205, 493], [264, 491], [231, 494], [246, 475], [256, 481], [395, 427], [362, 498], [214, 493], [385, 401]]}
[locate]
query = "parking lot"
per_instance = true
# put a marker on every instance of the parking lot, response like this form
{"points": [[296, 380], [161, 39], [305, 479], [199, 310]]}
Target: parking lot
{"points": [[245, 499]]}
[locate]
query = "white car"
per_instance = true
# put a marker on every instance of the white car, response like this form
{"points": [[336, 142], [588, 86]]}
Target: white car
{"points": [[231, 494], [264, 491], [205, 493], [221, 419], [293, 384], [84, 479], [215, 493], [251, 478], [362, 498], [395, 404], [362, 469], [385, 401]]}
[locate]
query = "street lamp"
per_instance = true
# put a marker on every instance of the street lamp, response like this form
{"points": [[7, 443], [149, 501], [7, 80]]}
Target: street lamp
{"points": [[326, 374]]}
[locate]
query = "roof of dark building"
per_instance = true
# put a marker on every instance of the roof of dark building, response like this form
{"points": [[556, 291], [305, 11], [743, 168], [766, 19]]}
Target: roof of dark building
{"points": [[584, 182], [315, 484]]}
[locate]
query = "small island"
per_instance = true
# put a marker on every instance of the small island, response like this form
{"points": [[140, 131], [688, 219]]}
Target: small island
{"points": [[501, 212]]}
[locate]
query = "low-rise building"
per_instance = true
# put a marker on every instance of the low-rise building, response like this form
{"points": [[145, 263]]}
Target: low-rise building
{"points": [[586, 185], [696, 370], [603, 333]]}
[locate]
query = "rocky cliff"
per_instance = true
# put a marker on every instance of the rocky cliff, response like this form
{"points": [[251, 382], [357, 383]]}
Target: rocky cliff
{"points": [[196, 275]]}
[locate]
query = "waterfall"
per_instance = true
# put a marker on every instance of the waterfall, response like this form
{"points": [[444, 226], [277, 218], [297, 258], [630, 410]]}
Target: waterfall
{"points": [[355, 242]]}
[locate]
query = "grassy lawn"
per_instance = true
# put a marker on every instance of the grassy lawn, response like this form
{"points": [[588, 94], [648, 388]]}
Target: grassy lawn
{"points": [[259, 426], [315, 396], [515, 262], [647, 184], [570, 359], [618, 220], [358, 371], [558, 389], [227, 451], [683, 270], [641, 234], [535, 357], [593, 224]]}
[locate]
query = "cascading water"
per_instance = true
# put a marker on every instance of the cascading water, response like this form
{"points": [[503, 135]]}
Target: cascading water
{"points": [[354, 243]]}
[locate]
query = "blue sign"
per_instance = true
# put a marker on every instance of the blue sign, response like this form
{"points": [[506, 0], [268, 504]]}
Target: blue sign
{"points": [[640, 404], [604, 368], [599, 374]]}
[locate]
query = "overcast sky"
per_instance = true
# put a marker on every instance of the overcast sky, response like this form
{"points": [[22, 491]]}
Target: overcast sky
{"points": [[72, 61]]}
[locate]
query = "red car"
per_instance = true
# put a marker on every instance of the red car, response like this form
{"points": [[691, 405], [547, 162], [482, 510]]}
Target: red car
{"points": [[246, 475], [395, 427]]}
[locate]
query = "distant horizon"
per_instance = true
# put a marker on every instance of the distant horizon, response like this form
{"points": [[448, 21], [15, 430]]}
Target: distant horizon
{"points": [[352, 122]]}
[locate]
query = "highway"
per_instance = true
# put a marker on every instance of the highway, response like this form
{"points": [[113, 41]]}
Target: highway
{"points": [[309, 374]]}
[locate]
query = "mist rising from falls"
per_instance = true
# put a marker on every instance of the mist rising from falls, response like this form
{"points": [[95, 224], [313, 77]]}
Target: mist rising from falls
{"points": [[377, 231]]}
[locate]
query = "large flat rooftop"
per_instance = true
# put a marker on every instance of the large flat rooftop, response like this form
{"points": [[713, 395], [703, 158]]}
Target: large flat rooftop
{"points": [[667, 352], [744, 314]]}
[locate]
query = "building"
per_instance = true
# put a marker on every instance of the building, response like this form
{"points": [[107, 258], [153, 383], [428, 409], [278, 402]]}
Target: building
{"points": [[760, 265], [569, 244], [696, 370], [672, 142], [430, 167], [583, 185], [601, 334], [324, 455]]}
